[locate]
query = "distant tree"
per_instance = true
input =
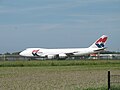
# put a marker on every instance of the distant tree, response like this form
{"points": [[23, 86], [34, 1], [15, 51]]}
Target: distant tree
{"points": [[110, 52], [7, 53], [15, 53]]}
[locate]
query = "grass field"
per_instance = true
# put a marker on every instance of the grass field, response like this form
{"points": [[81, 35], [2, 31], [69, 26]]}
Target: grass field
{"points": [[57, 75]]}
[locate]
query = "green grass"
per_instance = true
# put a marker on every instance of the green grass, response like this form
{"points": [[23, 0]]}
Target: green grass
{"points": [[58, 63], [57, 75]]}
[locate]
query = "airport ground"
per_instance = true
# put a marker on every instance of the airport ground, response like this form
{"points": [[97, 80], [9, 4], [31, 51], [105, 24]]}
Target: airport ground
{"points": [[57, 75]]}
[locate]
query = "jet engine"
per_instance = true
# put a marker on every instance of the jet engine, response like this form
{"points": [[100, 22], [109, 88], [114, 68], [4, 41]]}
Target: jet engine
{"points": [[59, 56], [51, 56], [62, 56]]}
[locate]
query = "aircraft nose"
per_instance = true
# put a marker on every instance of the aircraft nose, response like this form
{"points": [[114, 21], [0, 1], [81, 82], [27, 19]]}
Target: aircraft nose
{"points": [[21, 54]]}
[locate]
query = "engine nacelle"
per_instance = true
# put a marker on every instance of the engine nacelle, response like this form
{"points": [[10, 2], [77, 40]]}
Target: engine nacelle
{"points": [[59, 56], [50, 56], [62, 56]]}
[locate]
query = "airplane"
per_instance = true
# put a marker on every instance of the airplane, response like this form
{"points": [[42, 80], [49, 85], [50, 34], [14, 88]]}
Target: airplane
{"points": [[96, 47]]}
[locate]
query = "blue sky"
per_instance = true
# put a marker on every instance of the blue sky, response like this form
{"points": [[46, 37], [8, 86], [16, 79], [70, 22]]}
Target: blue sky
{"points": [[58, 23]]}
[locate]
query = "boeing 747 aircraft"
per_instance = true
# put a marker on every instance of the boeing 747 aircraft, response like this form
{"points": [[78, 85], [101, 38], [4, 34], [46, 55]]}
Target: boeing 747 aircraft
{"points": [[97, 46]]}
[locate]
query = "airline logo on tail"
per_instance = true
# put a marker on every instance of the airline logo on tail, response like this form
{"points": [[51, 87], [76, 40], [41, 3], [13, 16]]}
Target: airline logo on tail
{"points": [[100, 43]]}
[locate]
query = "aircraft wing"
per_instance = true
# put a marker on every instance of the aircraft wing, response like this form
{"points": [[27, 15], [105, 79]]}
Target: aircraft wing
{"points": [[62, 53], [71, 53]]}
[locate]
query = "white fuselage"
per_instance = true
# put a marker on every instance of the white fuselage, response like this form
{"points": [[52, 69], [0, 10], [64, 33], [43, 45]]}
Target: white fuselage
{"points": [[97, 46], [41, 52]]}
